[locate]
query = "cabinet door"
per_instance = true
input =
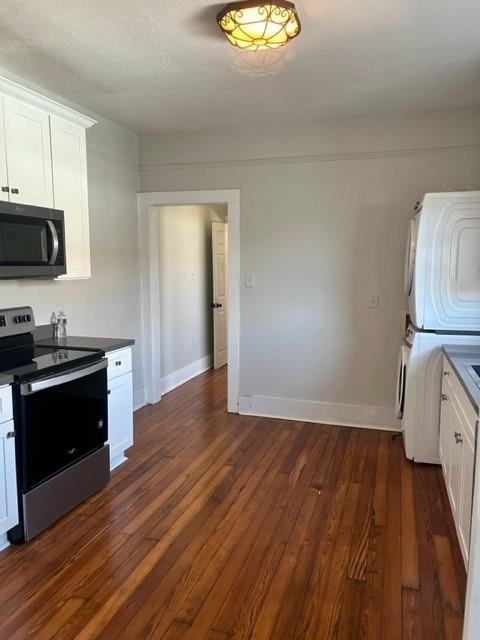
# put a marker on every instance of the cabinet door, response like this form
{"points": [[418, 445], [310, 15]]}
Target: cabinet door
{"points": [[70, 193], [445, 431], [4, 191], [455, 462], [120, 415], [29, 159], [466, 494], [8, 479]]}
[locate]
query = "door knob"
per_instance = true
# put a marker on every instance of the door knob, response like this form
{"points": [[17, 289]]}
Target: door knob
{"points": [[458, 437], [216, 305], [444, 397]]}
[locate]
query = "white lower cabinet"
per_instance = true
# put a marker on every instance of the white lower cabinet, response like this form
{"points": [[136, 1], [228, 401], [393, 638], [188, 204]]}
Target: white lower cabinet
{"points": [[8, 474], [120, 405], [458, 426]]}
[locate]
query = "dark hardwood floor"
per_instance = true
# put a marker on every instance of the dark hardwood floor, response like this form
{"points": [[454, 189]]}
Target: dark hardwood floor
{"points": [[228, 527]]}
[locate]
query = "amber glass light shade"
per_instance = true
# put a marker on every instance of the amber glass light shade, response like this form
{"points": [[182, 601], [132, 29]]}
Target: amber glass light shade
{"points": [[259, 25]]}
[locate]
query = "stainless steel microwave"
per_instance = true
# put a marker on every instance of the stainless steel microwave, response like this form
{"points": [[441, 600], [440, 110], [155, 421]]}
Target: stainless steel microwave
{"points": [[32, 242]]}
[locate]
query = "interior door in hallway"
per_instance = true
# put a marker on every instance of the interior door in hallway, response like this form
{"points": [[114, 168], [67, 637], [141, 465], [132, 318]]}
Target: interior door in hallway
{"points": [[220, 298]]}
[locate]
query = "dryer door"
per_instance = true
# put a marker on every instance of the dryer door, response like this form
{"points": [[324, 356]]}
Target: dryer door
{"points": [[401, 381], [410, 257]]}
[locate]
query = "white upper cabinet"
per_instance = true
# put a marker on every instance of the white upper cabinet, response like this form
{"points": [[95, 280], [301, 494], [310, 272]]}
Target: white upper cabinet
{"points": [[70, 192], [43, 162], [4, 190], [29, 163]]}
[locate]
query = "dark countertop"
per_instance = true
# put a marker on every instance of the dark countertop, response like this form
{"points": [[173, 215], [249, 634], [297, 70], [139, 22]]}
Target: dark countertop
{"points": [[87, 344], [460, 357], [5, 379]]}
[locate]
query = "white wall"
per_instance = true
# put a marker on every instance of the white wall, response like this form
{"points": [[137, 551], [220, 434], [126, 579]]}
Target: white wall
{"points": [[108, 304], [324, 213], [185, 248]]}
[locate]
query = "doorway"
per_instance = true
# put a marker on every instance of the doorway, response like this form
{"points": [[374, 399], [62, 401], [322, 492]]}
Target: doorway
{"points": [[223, 305], [193, 263]]}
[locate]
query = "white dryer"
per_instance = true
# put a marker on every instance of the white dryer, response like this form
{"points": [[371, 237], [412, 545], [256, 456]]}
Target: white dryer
{"points": [[442, 271], [418, 390]]}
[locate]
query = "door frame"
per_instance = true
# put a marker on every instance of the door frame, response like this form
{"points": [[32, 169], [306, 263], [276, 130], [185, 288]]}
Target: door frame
{"points": [[150, 283]]}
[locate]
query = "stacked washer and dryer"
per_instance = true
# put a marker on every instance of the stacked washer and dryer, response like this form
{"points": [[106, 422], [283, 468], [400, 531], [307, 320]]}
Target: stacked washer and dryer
{"points": [[442, 282]]}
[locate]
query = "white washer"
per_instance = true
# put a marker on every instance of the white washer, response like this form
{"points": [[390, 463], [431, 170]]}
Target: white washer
{"points": [[442, 271], [418, 390]]}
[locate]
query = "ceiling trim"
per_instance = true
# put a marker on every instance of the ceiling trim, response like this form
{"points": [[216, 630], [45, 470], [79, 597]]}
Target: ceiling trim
{"points": [[32, 98], [306, 159]]}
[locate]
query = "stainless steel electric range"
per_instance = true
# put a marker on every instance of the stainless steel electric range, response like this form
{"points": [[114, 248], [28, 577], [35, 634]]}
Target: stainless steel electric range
{"points": [[61, 423]]}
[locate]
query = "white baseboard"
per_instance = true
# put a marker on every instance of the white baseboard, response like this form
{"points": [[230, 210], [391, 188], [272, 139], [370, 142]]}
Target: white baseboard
{"points": [[347, 415], [139, 398], [175, 379]]}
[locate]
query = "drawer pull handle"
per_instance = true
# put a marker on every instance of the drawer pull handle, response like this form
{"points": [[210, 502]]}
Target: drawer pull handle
{"points": [[444, 397], [118, 363], [15, 191], [458, 437], [10, 434], [72, 451], [446, 373], [5, 189]]}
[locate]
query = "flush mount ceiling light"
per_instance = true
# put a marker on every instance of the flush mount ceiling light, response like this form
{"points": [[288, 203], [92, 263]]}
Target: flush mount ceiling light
{"points": [[255, 25]]}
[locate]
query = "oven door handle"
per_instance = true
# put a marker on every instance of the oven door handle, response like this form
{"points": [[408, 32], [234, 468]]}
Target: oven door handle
{"points": [[55, 242], [28, 388]]}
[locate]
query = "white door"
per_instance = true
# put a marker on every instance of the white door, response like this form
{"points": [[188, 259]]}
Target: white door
{"points": [[8, 478], [120, 417], [29, 161], [70, 193], [4, 190], [220, 300]]}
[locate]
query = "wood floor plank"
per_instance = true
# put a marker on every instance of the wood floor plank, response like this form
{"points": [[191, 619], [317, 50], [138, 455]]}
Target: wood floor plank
{"points": [[452, 606], [411, 615], [227, 527], [410, 569], [392, 585]]}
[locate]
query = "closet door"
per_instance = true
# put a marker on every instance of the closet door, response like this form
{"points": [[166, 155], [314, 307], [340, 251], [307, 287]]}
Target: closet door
{"points": [[29, 160]]}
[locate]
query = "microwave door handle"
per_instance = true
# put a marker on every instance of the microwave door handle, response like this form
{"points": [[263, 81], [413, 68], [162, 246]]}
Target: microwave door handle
{"points": [[55, 243], [28, 388]]}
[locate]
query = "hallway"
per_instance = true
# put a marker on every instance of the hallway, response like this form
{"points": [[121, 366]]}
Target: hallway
{"points": [[222, 526]]}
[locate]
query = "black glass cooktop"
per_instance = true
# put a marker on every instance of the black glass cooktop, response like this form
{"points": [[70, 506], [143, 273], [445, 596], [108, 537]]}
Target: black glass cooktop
{"points": [[25, 363]]}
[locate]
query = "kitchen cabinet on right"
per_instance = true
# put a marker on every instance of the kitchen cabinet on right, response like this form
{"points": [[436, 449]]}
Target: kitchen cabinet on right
{"points": [[458, 431], [120, 404]]}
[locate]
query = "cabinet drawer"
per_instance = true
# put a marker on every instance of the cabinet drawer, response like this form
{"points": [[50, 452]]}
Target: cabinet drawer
{"points": [[119, 363], [6, 406]]}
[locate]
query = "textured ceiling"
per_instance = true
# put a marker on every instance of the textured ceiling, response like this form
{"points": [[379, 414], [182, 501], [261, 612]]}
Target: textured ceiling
{"points": [[155, 65]]}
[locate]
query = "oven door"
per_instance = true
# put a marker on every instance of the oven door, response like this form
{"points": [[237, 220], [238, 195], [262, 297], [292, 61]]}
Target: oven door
{"points": [[62, 419], [31, 242]]}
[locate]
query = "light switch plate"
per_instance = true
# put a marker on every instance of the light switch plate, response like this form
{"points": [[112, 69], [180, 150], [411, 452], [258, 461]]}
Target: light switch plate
{"points": [[249, 279]]}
